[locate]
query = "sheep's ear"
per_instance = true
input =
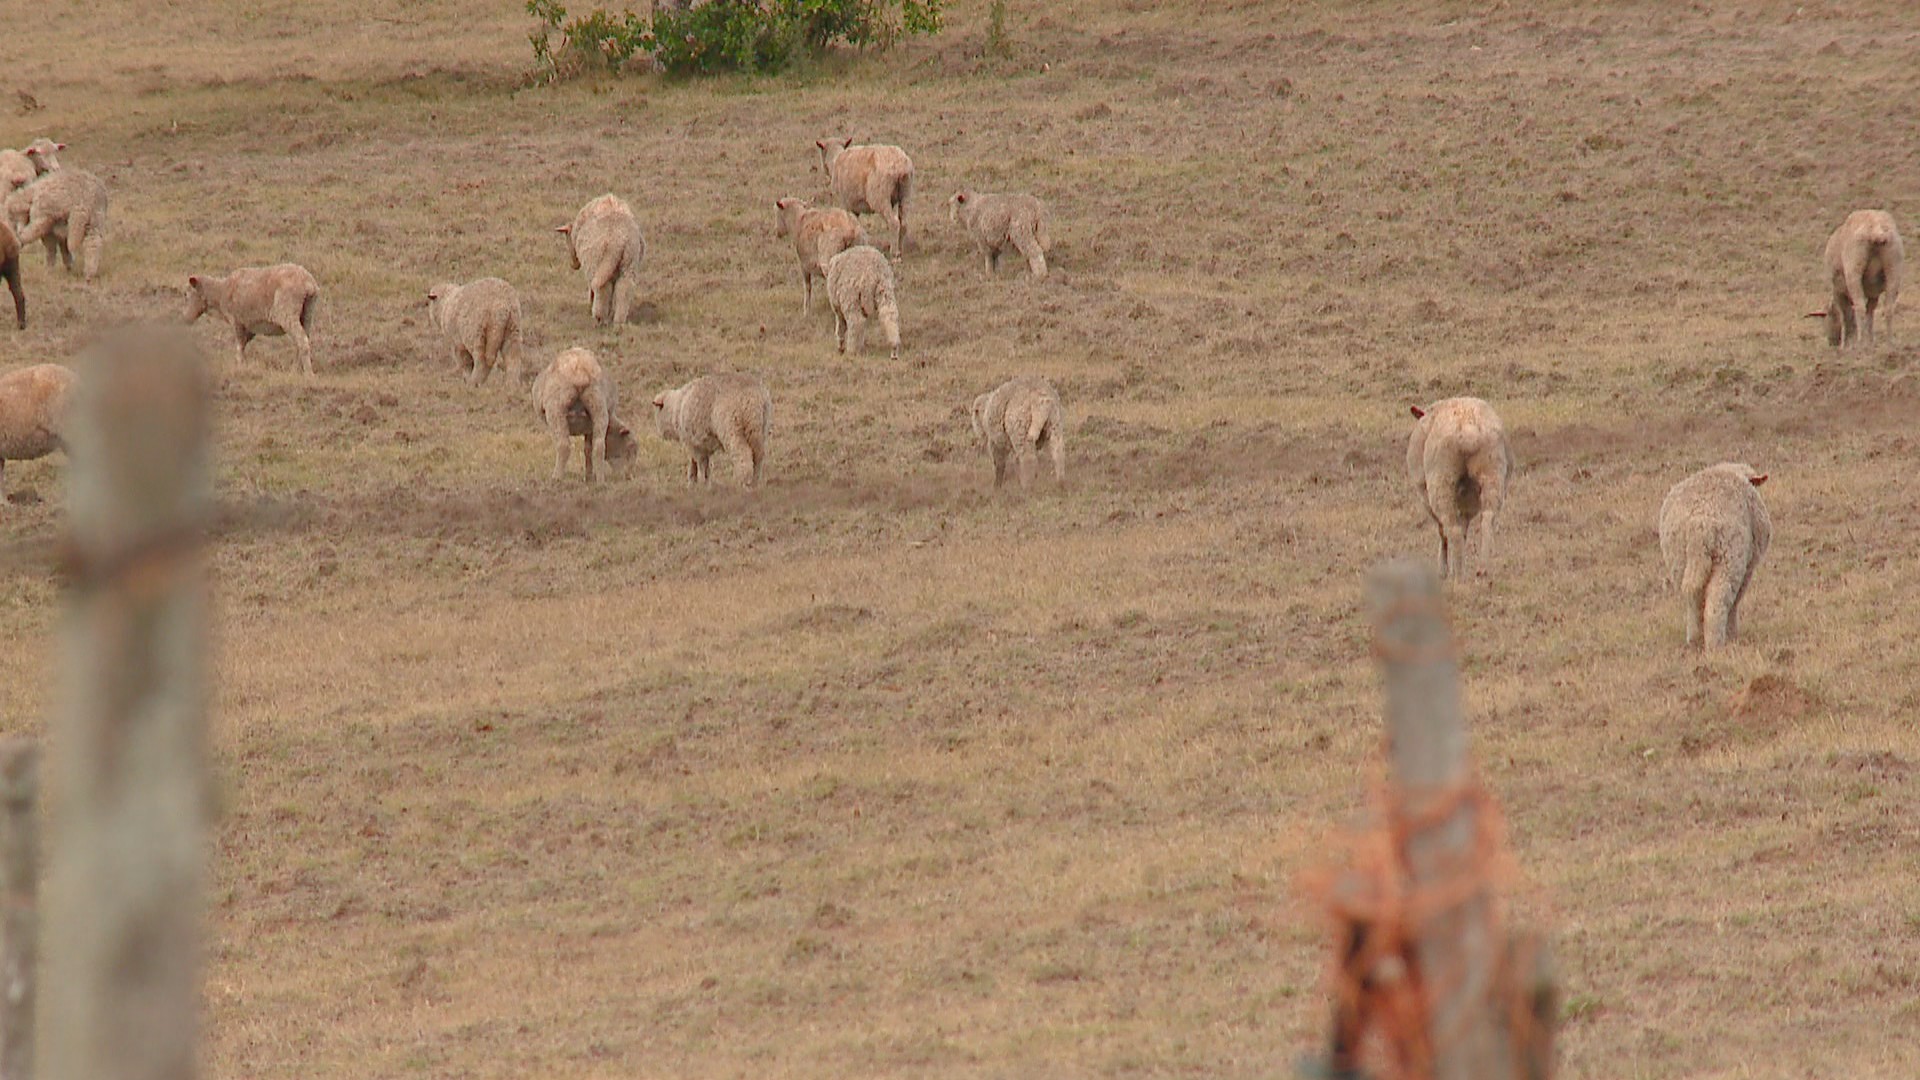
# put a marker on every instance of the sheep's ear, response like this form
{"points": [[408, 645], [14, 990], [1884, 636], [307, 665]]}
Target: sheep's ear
{"points": [[1756, 481], [565, 229], [659, 401], [1417, 411], [848, 143], [193, 281], [59, 146], [821, 143], [960, 197]]}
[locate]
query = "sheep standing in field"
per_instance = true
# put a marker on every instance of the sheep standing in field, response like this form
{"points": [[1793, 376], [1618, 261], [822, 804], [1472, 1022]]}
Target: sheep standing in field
{"points": [[997, 222], [66, 210], [874, 179], [481, 324], [10, 269], [860, 287], [1016, 421], [819, 233], [1713, 531], [19, 168], [731, 413], [576, 397], [604, 243], [260, 301], [1863, 261], [33, 414], [1459, 462]]}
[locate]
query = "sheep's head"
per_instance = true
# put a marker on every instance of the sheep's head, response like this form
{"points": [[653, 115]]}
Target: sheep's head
{"points": [[958, 205], [1746, 472], [42, 153], [665, 405], [573, 252], [786, 212], [622, 448], [831, 149], [436, 304], [979, 417], [196, 297]]}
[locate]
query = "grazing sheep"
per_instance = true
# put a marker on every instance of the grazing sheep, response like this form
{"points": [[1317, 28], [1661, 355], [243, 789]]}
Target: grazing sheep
{"points": [[1459, 462], [997, 222], [873, 179], [481, 324], [1018, 419], [260, 301], [33, 413], [575, 396], [818, 235], [66, 210], [20, 167], [731, 413], [604, 241], [1863, 260], [10, 269], [860, 287], [1713, 531]]}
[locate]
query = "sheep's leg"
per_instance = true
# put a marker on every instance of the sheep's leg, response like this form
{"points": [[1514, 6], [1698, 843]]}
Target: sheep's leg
{"points": [[241, 336], [1036, 258], [598, 419], [1057, 450], [999, 465], [1850, 333], [806, 296], [1835, 321], [19, 294], [1873, 304], [83, 234], [562, 444], [1717, 610], [693, 471], [3, 483], [890, 325], [840, 329], [622, 300], [880, 201], [1025, 462], [66, 252], [289, 319], [856, 335], [1857, 309], [990, 259], [757, 452], [1693, 592]]}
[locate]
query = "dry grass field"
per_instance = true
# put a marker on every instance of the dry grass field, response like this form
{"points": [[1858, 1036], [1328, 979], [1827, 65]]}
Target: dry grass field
{"points": [[877, 772]]}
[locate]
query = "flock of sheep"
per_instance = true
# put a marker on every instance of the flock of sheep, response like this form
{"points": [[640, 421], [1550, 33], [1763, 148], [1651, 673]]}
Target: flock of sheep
{"points": [[1714, 528]]}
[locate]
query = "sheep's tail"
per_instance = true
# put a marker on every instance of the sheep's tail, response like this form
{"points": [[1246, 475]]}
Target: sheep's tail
{"points": [[609, 269], [1037, 425]]}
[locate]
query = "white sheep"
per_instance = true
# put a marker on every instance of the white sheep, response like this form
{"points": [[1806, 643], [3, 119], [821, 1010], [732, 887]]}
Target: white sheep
{"points": [[1863, 263], [260, 301], [1016, 421], [819, 233], [731, 413], [604, 242], [870, 179], [1714, 529], [33, 414], [65, 210], [575, 396], [10, 270], [20, 167], [1459, 462], [860, 286], [480, 322], [997, 222]]}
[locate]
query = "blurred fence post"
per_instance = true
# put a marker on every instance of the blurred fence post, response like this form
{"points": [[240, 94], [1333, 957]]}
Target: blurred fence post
{"points": [[19, 884], [127, 843], [1428, 964]]}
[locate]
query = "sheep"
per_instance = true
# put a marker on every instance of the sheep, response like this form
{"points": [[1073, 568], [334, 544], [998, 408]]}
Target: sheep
{"points": [[1017, 420], [19, 168], [874, 179], [997, 222], [575, 396], [481, 324], [10, 269], [33, 413], [65, 210], [818, 235], [1863, 260], [859, 287], [1713, 531], [604, 241], [1459, 462], [260, 301], [731, 413]]}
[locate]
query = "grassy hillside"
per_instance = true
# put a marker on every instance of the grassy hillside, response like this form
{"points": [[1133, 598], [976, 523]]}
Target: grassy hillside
{"points": [[877, 772]]}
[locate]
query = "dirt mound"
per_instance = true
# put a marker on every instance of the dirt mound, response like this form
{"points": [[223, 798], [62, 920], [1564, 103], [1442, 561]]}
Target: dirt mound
{"points": [[1770, 701]]}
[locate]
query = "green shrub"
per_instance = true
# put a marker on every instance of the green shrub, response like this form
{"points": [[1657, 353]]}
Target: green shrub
{"points": [[719, 35]]}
